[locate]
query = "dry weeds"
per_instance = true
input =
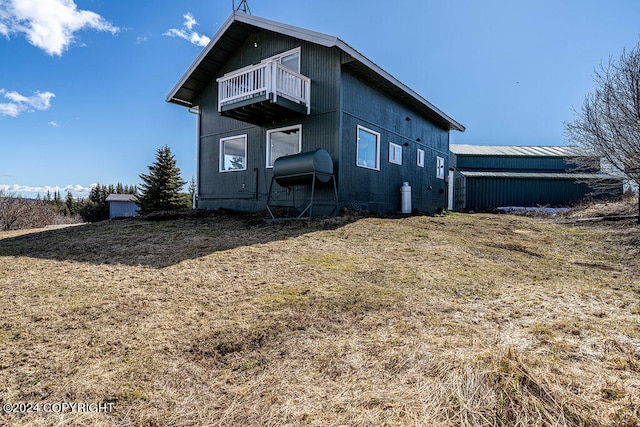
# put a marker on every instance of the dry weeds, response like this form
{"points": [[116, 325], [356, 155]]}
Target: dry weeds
{"points": [[457, 320]]}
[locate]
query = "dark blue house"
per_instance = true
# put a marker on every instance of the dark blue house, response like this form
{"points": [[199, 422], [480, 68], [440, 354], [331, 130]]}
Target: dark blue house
{"points": [[263, 90]]}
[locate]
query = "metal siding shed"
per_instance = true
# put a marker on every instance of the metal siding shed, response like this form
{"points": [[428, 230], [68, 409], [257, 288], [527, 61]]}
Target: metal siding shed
{"points": [[122, 205], [487, 177]]}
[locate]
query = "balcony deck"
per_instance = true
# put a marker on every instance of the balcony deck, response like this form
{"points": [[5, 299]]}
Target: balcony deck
{"points": [[263, 93]]}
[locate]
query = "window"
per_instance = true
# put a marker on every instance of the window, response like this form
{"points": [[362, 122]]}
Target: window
{"points": [[283, 142], [395, 153], [439, 167], [290, 59], [420, 158], [368, 149], [233, 153]]}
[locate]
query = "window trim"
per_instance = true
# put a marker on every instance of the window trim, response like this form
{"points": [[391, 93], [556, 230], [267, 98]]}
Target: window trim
{"points": [[270, 131], [278, 58], [221, 153], [377, 135], [393, 149], [440, 167], [420, 157]]}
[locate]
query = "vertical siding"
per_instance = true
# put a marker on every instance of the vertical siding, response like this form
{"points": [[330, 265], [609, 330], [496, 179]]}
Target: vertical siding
{"points": [[380, 190], [122, 209], [514, 163], [248, 190], [488, 193]]}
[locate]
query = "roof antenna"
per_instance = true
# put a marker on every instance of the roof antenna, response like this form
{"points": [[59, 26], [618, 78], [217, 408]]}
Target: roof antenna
{"points": [[242, 7]]}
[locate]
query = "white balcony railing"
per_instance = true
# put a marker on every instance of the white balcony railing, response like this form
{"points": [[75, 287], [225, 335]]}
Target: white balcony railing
{"points": [[264, 80]]}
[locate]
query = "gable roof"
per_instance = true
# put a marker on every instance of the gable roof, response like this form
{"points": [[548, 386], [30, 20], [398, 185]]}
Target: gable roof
{"points": [[240, 26], [517, 150], [121, 198]]}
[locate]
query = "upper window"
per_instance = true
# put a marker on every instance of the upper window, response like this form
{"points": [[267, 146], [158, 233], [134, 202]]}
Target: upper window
{"points": [[368, 149], [440, 167], [420, 158], [395, 153], [233, 153], [290, 59], [283, 142]]}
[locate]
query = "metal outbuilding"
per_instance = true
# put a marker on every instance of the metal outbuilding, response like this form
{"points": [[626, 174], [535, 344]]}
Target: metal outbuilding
{"points": [[488, 177], [122, 205]]}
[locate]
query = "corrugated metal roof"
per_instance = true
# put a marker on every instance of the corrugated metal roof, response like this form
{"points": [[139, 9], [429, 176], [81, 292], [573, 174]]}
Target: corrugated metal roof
{"points": [[536, 175], [239, 26], [517, 150], [121, 198]]}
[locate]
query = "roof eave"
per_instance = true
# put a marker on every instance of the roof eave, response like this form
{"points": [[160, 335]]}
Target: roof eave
{"points": [[223, 29]]}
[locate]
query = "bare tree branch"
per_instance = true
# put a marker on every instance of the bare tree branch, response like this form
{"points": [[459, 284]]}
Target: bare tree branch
{"points": [[609, 122]]}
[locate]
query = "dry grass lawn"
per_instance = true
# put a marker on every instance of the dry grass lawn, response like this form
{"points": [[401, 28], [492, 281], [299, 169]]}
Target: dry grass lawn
{"points": [[465, 320]]}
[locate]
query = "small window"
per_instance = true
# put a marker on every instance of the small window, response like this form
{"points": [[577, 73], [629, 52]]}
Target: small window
{"points": [[420, 158], [368, 149], [439, 167], [395, 153], [283, 142], [233, 153]]}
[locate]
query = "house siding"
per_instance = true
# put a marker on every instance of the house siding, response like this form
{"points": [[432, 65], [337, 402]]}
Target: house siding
{"points": [[369, 189], [514, 163], [486, 193], [248, 189], [122, 209]]}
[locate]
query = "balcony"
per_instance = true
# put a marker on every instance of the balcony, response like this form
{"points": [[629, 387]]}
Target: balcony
{"points": [[264, 93]]}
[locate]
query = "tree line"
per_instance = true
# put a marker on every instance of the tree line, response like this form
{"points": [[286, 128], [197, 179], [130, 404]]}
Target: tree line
{"points": [[17, 212], [161, 190]]}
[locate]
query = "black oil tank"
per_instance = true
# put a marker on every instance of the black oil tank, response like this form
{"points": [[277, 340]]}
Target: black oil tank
{"points": [[298, 169]]}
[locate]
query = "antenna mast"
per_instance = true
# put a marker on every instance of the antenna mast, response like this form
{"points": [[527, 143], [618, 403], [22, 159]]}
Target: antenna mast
{"points": [[242, 7]]}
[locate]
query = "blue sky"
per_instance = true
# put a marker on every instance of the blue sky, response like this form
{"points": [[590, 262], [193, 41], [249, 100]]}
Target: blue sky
{"points": [[83, 82]]}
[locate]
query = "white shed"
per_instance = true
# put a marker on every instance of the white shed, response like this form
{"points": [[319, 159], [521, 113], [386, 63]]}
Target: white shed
{"points": [[122, 205]]}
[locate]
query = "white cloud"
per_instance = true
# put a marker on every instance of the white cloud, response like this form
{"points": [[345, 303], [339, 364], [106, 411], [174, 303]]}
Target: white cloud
{"points": [[19, 103], [74, 189], [187, 33], [189, 21], [49, 24], [15, 97], [11, 110], [54, 124]]}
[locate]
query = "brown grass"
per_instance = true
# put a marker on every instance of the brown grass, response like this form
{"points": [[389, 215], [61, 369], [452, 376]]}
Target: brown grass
{"points": [[457, 320]]}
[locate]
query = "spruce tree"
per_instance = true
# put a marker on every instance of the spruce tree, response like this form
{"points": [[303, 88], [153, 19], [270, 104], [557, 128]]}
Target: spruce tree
{"points": [[71, 204], [160, 189]]}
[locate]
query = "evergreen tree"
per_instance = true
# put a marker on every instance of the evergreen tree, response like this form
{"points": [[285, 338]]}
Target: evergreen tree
{"points": [[71, 206], [160, 189], [192, 189]]}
